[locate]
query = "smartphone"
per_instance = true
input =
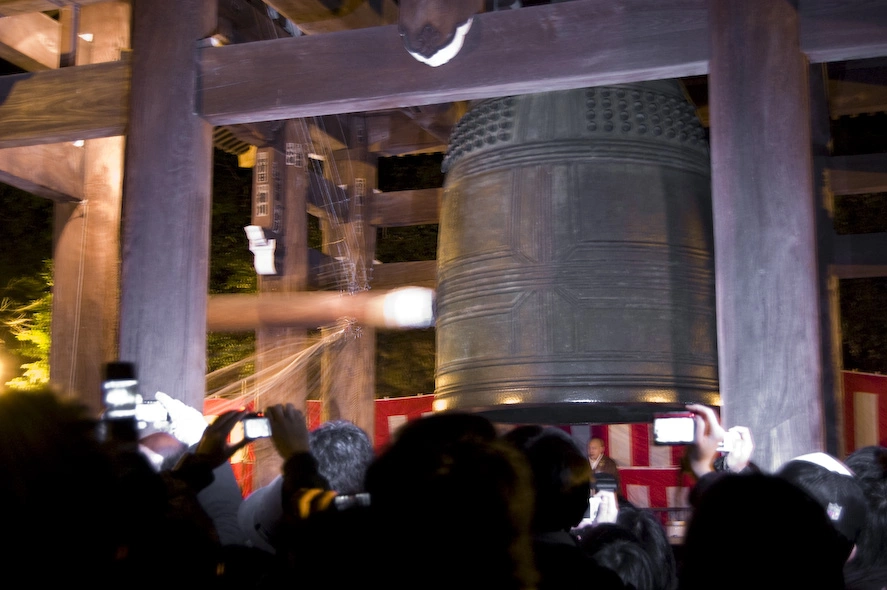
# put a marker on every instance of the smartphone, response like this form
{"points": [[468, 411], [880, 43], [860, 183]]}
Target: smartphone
{"points": [[594, 502], [120, 391], [674, 428], [256, 426]]}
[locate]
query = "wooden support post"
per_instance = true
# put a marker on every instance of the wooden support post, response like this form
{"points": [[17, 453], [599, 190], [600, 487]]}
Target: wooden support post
{"points": [[829, 292], [349, 370], [275, 345], [87, 245], [770, 365], [166, 208]]}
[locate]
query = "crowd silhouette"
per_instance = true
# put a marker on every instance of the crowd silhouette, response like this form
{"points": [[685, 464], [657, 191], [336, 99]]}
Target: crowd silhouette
{"points": [[452, 501]]}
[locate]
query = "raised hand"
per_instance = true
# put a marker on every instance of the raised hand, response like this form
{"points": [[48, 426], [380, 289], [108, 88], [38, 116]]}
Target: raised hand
{"points": [[213, 446], [289, 430], [709, 433]]}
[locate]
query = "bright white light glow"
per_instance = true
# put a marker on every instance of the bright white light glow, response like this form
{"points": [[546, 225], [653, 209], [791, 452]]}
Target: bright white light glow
{"points": [[409, 307]]}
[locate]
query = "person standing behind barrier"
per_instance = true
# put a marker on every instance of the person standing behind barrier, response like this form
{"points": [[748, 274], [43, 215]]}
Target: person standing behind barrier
{"points": [[600, 462], [562, 485]]}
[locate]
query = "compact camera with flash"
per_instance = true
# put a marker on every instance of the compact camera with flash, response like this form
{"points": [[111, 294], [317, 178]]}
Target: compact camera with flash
{"points": [[256, 426]]}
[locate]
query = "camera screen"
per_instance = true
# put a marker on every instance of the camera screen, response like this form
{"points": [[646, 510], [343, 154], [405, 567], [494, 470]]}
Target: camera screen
{"points": [[256, 427], [120, 397], [676, 429]]}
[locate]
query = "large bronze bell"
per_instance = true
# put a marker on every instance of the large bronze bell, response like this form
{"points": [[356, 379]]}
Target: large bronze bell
{"points": [[575, 263]]}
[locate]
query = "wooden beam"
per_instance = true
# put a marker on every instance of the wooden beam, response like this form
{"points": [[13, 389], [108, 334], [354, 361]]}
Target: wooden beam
{"points": [[327, 134], [52, 171], [389, 275], [551, 47], [309, 309], [13, 7], [325, 199], [82, 102], [839, 30], [437, 119], [314, 17], [240, 21], [404, 208], [30, 41], [422, 273], [393, 133], [857, 175], [854, 97], [859, 256], [86, 245], [829, 296]]}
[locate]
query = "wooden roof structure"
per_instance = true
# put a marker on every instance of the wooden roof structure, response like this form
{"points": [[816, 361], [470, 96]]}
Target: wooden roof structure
{"points": [[152, 91]]}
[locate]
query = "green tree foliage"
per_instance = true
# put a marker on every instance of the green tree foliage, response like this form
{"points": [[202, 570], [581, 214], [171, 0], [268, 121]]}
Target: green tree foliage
{"points": [[26, 311], [230, 263], [27, 237], [404, 362]]}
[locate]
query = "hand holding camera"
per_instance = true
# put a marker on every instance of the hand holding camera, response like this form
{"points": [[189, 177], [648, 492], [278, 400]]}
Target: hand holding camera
{"points": [[213, 446], [738, 446]]}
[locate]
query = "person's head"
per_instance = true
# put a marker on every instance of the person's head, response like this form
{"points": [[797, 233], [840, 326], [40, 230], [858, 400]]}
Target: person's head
{"points": [[561, 478], [870, 466], [443, 428], [595, 448], [343, 452], [162, 449], [835, 488], [616, 548], [776, 534], [649, 531], [458, 495], [57, 489]]}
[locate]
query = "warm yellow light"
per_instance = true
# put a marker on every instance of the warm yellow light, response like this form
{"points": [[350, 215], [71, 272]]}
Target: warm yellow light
{"points": [[88, 37]]}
